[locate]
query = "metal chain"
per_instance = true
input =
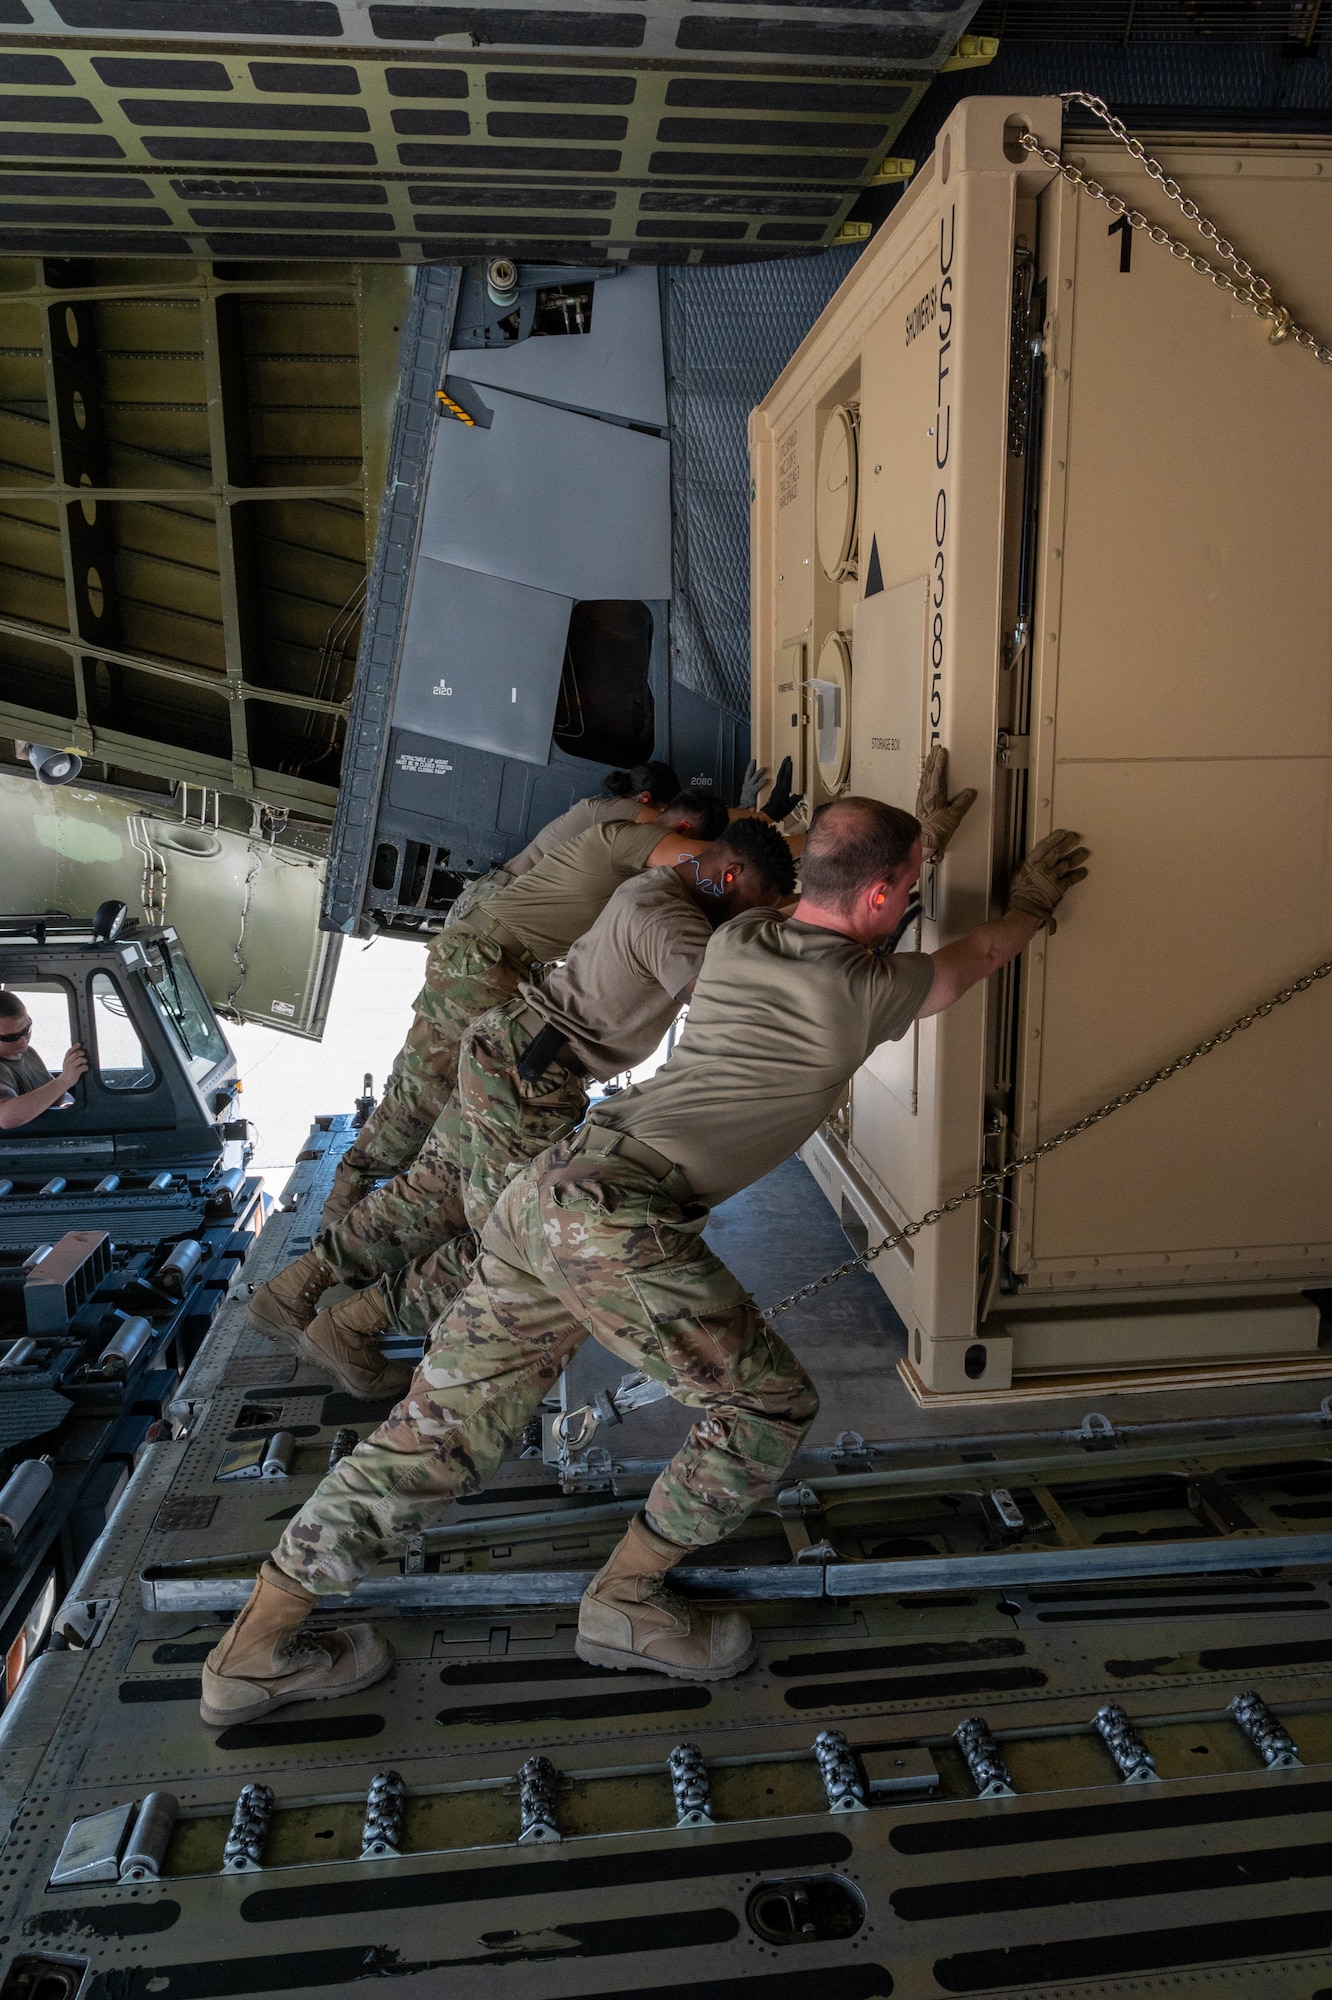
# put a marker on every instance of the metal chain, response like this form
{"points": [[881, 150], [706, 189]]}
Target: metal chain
{"points": [[1246, 284], [993, 1182]]}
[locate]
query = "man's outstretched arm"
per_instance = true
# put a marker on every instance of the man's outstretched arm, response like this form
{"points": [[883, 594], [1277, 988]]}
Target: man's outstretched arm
{"points": [[1048, 872], [21, 1110]]}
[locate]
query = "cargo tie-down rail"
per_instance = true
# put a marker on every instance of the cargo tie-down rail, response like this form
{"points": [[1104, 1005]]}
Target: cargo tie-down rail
{"points": [[202, 1586]]}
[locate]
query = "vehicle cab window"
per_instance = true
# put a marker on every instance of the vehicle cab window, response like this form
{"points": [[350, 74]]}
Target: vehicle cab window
{"points": [[29, 1060], [121, 1061], [189, 1018]]}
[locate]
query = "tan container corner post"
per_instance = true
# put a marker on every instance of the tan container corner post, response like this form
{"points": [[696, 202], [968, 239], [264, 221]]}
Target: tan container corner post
{"points": [[1098, 578]]}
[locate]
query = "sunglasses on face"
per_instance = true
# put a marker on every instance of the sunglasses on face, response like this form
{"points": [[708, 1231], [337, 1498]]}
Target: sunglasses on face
{"points": [[21, 1036]]}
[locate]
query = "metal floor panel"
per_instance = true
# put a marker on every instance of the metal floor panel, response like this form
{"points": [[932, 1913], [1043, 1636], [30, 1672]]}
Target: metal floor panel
{"points": [[1214, 1878]]}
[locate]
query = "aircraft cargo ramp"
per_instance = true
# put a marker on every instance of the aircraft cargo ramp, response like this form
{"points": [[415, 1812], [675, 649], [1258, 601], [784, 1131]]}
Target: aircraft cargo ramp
{"points": [[994, 1743]]}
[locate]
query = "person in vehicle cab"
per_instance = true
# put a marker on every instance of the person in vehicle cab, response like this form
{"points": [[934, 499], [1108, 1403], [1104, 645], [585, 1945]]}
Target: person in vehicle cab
{"points": [[602, 1235], [27, 1087]]}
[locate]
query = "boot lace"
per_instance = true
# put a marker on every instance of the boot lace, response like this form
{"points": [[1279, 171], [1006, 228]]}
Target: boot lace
{"points": [[314, 1288], [659, 1593], [298, 1648]]}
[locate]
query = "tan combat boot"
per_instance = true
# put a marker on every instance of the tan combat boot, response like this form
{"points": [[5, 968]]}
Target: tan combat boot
{"points": [[286, 1303], [342, 1340], [628, 1618], [265, 1659]]}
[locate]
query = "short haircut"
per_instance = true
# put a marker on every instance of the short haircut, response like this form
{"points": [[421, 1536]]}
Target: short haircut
{"points": [[657, 780], [759, 843], [12, 1007], [853, 843], [708, 815]]}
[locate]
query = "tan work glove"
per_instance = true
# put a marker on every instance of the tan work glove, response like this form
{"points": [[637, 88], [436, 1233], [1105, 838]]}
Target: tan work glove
{"points": [[939, 816], [1052, 867]]}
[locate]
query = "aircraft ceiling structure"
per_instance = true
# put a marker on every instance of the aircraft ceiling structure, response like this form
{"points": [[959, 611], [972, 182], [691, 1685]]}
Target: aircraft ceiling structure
{"points": [[387, 130], [191, 462]]}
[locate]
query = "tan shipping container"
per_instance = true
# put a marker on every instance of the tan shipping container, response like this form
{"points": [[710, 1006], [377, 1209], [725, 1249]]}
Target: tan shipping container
{"points": [[1101, 578]]}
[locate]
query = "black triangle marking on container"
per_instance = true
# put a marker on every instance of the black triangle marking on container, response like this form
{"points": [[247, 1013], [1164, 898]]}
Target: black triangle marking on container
{"points": [[874, 575]]}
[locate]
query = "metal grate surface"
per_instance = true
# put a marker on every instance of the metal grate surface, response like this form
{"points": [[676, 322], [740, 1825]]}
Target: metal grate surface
{"points": [[1201, 23], [185, 1510], [249, 1372], [730, 332], [29, 1413]]}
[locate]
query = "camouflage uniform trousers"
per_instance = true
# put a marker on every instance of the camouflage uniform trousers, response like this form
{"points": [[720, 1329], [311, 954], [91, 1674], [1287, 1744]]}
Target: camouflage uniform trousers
{"points": [[585, 1241], [419, 1231], [415, 1217], [494, 1123], [465, 975]]}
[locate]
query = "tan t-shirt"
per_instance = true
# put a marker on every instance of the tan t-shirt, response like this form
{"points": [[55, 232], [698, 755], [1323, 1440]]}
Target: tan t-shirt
{"points": [[580, 816], [623, 982], [19, 1076], [782, 1016], [559, 899]]}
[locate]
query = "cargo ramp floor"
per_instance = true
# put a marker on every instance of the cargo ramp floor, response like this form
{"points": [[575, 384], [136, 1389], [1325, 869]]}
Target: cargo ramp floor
{"points": [[918, 1571]]}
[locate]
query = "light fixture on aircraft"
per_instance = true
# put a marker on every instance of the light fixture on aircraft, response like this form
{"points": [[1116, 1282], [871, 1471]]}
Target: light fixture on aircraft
{"points": [[53, 767], [502, 281], [109, 921]]}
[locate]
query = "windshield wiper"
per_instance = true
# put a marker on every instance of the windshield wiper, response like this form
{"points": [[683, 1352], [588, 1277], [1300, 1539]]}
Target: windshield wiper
{"points": [[179, 1015]]}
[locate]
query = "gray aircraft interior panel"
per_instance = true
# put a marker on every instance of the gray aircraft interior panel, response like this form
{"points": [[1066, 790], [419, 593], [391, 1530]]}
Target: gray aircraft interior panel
{"points": [[481, 660], [422, 776], [615, 368], [709, 743], [444, 796], [560, 502]]}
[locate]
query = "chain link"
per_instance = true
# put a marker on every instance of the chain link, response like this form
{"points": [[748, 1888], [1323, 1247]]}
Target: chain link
{"points": [[1241, 280], [993, 1182]]}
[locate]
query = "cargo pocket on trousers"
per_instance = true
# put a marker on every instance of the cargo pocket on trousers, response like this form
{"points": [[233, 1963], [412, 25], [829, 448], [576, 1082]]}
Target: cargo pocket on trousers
{"points": [[702, 1324], [673, 1295]]}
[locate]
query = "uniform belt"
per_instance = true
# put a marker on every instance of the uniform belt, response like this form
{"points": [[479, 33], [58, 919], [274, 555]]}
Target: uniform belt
{"points": [[527, 1017], [482, 924], [603, 1140]]}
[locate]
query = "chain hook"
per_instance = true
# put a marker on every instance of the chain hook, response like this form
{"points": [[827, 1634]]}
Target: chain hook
{"points": [[575, 1429]]}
